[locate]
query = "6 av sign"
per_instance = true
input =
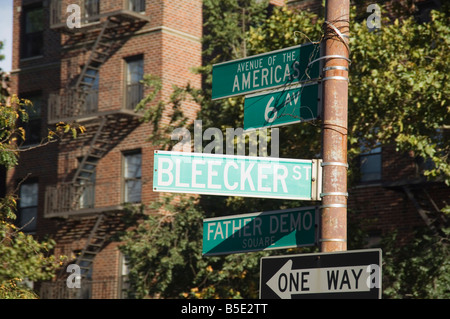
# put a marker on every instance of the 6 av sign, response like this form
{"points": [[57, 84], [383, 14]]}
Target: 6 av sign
{"points": [[287, 105], [350, 274]]}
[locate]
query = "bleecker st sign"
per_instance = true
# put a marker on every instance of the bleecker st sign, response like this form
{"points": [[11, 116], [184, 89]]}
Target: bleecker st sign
{"points": [[228, 175], [264, 71]]}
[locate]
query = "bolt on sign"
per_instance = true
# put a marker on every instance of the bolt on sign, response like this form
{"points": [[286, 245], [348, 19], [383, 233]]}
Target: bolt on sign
{"points": [[229, 175], [264, 71], [295, 227], [343, 274], [287, 105]]}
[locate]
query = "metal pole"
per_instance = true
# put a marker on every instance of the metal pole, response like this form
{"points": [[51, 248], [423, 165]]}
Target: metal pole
{"points": [[334, 128]]}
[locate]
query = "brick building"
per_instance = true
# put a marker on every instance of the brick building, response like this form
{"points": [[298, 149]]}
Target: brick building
{"points": [[75, 189]]}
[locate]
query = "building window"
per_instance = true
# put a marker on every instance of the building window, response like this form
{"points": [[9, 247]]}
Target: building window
{"points": [[28, 206], [370, 165], [134, 74], [32, 127], [132, 177], [124, 285], [90, 91], [87, 182], [136, 5], [91, 10], [33, 32]]}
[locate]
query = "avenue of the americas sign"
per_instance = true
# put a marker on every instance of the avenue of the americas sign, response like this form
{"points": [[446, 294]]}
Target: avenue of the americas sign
{"points": [[295, 227], [229, 175], [267, 70], [343, 274]]}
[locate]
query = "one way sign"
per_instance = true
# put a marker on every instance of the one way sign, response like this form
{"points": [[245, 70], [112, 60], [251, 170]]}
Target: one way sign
{"points": [[350, 274]]}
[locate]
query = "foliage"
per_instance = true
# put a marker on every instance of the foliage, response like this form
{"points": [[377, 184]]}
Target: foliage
{"points": [[14, 289], [226, 23], [418, 270], [165, 254], [403, 64], [22, 257], [165, 251]]}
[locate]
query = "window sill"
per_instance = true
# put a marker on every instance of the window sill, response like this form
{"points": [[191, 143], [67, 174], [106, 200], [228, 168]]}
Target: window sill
{"points": [[368, 184], [36, 57]]}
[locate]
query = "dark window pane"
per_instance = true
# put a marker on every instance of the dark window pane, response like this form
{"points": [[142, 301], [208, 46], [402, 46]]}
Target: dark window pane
{"points": [[132, 177], [370, 165], [33, 36], [28, 206]]}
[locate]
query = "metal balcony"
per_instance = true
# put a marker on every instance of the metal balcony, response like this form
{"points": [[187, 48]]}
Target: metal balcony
{"points": [[71, 104], [92, 11], [64, 199]]}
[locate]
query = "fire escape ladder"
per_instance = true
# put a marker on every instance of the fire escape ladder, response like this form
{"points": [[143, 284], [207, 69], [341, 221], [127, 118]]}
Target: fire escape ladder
{"points": [[83, 176], [92, 247], [100, 52], [426, 207]]}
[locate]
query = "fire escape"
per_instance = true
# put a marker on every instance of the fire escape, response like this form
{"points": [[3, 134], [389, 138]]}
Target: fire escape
{"points": [[417, 191], [426, 207], [102, 29]]}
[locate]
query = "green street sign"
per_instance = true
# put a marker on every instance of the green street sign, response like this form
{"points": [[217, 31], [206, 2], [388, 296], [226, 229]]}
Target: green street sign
{"points": [[282, 106], [229, 175], [278, 229], [263, 71]]}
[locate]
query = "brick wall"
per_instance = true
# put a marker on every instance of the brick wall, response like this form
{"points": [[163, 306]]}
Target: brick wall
{"points": [[382, 207], [170, 46]]}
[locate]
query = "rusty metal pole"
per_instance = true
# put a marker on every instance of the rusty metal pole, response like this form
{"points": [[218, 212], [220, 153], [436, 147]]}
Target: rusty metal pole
{"points": [[334, 128]]}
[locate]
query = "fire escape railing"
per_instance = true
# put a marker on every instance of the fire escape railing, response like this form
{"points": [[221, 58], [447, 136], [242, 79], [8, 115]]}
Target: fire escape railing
{"points": [[90, 10]]}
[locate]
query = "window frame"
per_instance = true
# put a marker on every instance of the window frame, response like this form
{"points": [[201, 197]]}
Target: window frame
{"points": [[126, 179], [34, 123], [372, 153], [87, 198], [91, 11], [134, 89], [124, 271], [29, 226], [32, 41], [136, 4]]}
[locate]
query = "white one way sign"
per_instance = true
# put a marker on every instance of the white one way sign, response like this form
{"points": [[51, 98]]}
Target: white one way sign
{"points": [[355, 274]]}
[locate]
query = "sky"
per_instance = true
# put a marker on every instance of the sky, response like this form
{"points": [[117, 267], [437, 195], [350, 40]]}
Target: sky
{"points": [[6, 8]]}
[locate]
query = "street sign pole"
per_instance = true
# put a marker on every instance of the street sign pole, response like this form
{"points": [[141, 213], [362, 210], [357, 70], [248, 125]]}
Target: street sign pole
{"points": [[335, 127]]}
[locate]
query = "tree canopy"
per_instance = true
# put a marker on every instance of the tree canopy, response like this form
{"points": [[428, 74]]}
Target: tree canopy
{"points": [[23, 258], [398, 94]]}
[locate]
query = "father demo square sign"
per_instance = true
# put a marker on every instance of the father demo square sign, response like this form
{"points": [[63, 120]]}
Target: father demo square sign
{"points": [[264, 71], [229, 175], [295, 227]]}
